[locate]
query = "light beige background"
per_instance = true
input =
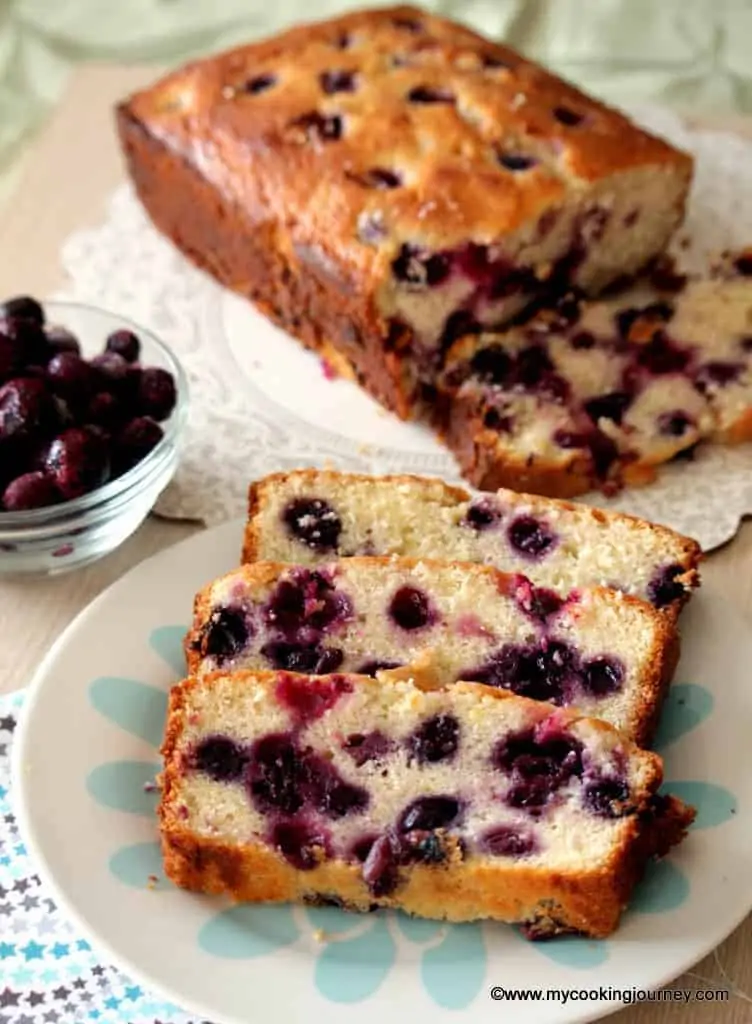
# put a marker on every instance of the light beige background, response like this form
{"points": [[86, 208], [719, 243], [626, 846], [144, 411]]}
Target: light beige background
{"points": [[67, 178]]}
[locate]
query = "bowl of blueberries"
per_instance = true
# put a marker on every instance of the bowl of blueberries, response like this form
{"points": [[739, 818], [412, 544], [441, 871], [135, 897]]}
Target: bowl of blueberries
{"points": [[91, 410]]}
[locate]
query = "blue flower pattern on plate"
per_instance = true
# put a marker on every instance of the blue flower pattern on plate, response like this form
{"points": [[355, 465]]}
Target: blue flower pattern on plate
{"points": [[361, 949]]}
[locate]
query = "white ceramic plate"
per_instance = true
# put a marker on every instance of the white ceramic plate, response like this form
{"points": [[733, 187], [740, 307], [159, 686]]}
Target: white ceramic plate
{"points": [[88, 742]]}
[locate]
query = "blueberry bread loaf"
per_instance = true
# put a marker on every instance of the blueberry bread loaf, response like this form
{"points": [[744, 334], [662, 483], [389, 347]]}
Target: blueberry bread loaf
{"points": [[457, 804], [600, 394], [380, 182], [308, 516], [609, 654]]}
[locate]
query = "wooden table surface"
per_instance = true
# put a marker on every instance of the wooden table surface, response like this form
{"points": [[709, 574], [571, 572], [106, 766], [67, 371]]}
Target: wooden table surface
{"points": [[69, 175]]}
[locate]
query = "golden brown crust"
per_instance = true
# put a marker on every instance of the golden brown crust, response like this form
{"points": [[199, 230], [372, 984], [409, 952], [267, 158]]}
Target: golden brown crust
{"points": [[226, 171], [208, 101], [589, 902], [654, 684]]}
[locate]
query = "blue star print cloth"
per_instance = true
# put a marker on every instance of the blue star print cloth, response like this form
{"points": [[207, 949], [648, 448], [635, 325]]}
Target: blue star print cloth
{"points": [[48, 973]]}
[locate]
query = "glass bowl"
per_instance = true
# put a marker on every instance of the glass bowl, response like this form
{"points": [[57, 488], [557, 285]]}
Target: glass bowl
{"points": [[54, 540]]}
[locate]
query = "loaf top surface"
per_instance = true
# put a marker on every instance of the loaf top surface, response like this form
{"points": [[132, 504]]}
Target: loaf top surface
{"points": [[313, 126]]}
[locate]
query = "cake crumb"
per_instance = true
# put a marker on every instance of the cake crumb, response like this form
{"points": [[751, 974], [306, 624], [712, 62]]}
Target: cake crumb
{"points": [[152, 883], [320, 936], [150, 787]]}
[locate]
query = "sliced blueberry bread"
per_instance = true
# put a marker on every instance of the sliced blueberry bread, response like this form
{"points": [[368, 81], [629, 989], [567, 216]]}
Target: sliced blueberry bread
{"points": [[460, 804], [308, 516], [609, 654], [598, 395]]}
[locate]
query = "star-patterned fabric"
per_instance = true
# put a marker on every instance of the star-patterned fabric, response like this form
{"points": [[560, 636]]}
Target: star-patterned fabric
{"points": [[48, 973]]}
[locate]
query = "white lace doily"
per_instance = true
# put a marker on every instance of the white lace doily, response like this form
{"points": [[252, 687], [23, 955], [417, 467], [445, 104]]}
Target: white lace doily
{"points": [[260, 403]]}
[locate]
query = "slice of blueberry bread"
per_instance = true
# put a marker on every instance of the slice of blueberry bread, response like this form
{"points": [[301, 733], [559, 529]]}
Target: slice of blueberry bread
{"points": [[308, 516], [609, 654], [600, 394], [460, 804]]}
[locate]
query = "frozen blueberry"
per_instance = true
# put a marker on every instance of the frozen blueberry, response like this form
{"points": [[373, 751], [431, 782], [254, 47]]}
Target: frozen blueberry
{"points": [[72, 377], [602, 676], [611, 406], [583, 340], [675, 424], [607, 798], [27, 410], [113, 371], [309, 659], [304, 604], [419, 267], [516, 161], [314, 523], [492, 61], [537, 769], [565, 115], [24, 307], [300, 843], [274, 774], [32, 490], [60, 339], [482, 514], [365, 747], [125, 344], [428, 813], [548, 671], [429, 94], [134, 442], [378, 177], [326, 790], [226, 634], [458, 324], [381, 866], [156, 393], [370, 668], [410, 609], [337, 81], [77, 462], [492, 365], [665, 587], [259, 83], [11, 357], [436, 739], [221, 758], [30, 338], [716, 374], [508, 841], [661, 356], [531, 537], [105, 410], [743, 264], [408, 24], [320, 127]]}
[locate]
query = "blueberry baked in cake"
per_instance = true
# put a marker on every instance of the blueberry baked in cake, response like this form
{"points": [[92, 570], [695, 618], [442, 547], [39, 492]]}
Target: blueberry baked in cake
{"points": [[600, 394], [310, 516], [385, 181], [459, 804], [609, 654]]}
